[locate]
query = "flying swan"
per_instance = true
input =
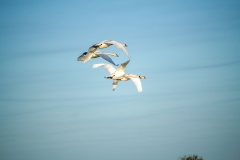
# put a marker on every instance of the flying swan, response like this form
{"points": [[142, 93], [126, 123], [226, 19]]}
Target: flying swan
{"points": [[104, 44], [119, 75], [97, 54]]}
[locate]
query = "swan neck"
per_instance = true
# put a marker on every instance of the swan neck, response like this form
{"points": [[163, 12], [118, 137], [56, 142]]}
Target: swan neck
{"points": [[135, 76], [112, 54]]}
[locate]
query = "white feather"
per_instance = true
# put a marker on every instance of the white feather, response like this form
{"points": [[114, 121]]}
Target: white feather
{"points": [[108, 67], [137, 83]]}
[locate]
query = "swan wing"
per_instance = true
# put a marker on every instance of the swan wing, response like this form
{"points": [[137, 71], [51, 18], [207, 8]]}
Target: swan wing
{"points": [[117, 44], [107, 58], [88, 57], [137, 83], [91, 50], [108, 67], [125, 64], [106, 53], [122, 66], [114, 84], [98, 52]]}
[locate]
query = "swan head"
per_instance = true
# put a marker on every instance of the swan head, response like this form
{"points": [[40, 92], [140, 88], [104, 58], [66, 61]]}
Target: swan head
{"points": [[82, 57], [124, 45], [115, 54], [109, 77], [142, 77], [102, 45]]}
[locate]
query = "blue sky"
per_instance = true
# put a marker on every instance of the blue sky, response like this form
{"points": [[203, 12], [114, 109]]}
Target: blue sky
{"points": [[53, 107]]}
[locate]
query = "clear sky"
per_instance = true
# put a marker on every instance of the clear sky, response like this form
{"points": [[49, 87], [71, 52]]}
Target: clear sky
{"points": [[54, 107]]}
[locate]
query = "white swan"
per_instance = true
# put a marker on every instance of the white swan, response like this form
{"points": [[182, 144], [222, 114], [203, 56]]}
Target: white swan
{"points": [[119, 75], [104, 44], [107, 43], [97, 54]]}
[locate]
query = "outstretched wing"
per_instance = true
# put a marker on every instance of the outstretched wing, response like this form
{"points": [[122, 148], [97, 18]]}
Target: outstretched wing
{"points": [[108, 67], [117, 44], [88, 57], [114, 84], [91, 50], [107, 58], [137, 83], [122, 66]]}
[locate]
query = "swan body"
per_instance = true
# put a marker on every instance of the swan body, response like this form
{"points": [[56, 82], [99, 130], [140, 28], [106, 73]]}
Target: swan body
{"points": [[97, 54], [104, 44], [114, 73], [126, 77], [119, 75]]}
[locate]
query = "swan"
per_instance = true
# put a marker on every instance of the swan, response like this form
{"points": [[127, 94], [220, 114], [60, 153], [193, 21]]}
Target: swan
{"points": [[107, 43], [97, 54], [119, 75], [104, 44]]}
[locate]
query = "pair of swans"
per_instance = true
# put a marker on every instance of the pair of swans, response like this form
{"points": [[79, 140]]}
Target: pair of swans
{"points": [[116, 74]]}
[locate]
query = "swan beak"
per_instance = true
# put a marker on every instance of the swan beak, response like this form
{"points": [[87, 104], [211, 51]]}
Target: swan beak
{"points": [[108, 77]]}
